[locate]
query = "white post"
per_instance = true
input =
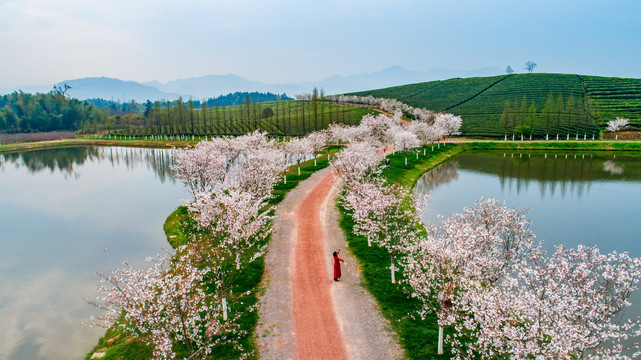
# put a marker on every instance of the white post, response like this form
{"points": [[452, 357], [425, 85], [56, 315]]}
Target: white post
{"points": [[299, 169], [405, 159], [237, 261], [440, 340], [285, 178], [314, 163], [546, 137], [224, 307], [423, 151], [505, 137], [392, 269]]}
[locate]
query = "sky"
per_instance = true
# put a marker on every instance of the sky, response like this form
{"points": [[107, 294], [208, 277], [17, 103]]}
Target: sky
{"points": [[282, 41]]}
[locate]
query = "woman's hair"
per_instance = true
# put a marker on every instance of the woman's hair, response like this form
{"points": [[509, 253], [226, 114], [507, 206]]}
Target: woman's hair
{"points": [[335, 253]]}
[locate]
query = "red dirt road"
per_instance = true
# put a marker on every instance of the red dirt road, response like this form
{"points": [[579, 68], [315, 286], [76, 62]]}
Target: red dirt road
{"points": [[318, 335]]}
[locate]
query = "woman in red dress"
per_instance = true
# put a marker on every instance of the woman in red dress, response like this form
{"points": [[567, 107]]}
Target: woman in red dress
{"points": [[337, 265]]}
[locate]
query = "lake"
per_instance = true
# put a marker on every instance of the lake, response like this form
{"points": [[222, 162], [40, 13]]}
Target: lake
{"points": [[573, 198], [66, 214]]}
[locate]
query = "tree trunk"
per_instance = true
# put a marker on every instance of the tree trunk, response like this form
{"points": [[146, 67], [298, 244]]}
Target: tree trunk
{"points": [[392, 269], [369, 241], [224, 307], [285, 178], [440, 340], [298, 169], [405, 159]]}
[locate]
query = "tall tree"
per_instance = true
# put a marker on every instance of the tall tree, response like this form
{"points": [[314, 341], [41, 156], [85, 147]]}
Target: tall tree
{"points": [[505, 118], [548, 109]]}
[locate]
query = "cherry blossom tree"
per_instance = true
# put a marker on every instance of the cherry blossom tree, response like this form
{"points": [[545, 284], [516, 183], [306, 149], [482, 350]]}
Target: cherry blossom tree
{"points": [[317, 141], [380, 129], [356, 162], [564, 306], [166, 305], [450, 124], [250, 162], [298, 149], [388, 214], [476, 248], [234, 228], [404, 141], [616, 125]]}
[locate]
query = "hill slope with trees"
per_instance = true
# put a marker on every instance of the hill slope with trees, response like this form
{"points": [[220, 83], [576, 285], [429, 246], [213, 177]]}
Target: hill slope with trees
{"points": [[537, 104]]}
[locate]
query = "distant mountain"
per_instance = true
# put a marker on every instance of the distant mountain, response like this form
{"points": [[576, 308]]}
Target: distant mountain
{"points": [[114, 89], [209, 86], [392, 76], [103, 88], [214, 85]]}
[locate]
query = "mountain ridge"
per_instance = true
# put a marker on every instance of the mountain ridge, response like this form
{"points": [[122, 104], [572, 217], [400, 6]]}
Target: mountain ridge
{"points": [[211, 85]]}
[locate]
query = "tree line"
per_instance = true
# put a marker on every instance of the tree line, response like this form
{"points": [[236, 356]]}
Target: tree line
{"points": [[224, 115], [559, 118], [24, 112]]}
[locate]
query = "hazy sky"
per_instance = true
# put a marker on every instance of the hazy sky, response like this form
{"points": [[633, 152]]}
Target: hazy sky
{"points": [[46, 41]]}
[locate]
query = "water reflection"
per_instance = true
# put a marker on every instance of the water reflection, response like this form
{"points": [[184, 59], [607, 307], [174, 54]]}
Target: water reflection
{"points": [[555, 174], [67, 160], [65, 214], [442, 174]]}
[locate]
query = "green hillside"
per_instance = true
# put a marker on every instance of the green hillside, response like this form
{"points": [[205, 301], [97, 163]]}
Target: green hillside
{"points": [[278, 118], [536, 103]]}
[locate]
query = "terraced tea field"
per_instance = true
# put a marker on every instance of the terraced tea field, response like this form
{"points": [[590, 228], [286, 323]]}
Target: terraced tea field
{"points": [[579, 105]]}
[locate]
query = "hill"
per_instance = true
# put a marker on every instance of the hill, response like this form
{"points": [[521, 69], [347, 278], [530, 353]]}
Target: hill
{"points": [[570, 105]]}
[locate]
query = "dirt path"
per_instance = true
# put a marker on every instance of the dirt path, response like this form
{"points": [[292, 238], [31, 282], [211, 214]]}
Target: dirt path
{"points": [[304, 313]]}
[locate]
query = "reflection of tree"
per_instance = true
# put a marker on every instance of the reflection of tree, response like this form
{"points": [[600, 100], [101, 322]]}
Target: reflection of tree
{"points": [[442, 174], [556, 174], [612, 168], [67, 160]]}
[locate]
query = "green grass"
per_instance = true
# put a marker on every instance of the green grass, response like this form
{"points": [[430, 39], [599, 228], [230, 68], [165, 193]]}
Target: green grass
{"points": [[480, 101], [250, 278]]}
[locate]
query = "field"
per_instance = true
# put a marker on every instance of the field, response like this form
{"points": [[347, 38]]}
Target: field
{"points": [[570, 105], [278, 118]]}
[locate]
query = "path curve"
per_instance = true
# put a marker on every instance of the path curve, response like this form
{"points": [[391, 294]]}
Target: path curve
{"points": [[304, 314]]}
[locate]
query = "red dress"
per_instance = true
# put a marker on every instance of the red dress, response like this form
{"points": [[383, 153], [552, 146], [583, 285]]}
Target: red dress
{"points": [[337, 267]]}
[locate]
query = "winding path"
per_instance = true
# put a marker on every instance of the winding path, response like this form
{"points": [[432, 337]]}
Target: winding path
{"points": [[304, 313]]}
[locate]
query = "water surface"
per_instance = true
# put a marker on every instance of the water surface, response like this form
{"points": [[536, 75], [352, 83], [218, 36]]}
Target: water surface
{"points": [[64, 215], [574, 198]]}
